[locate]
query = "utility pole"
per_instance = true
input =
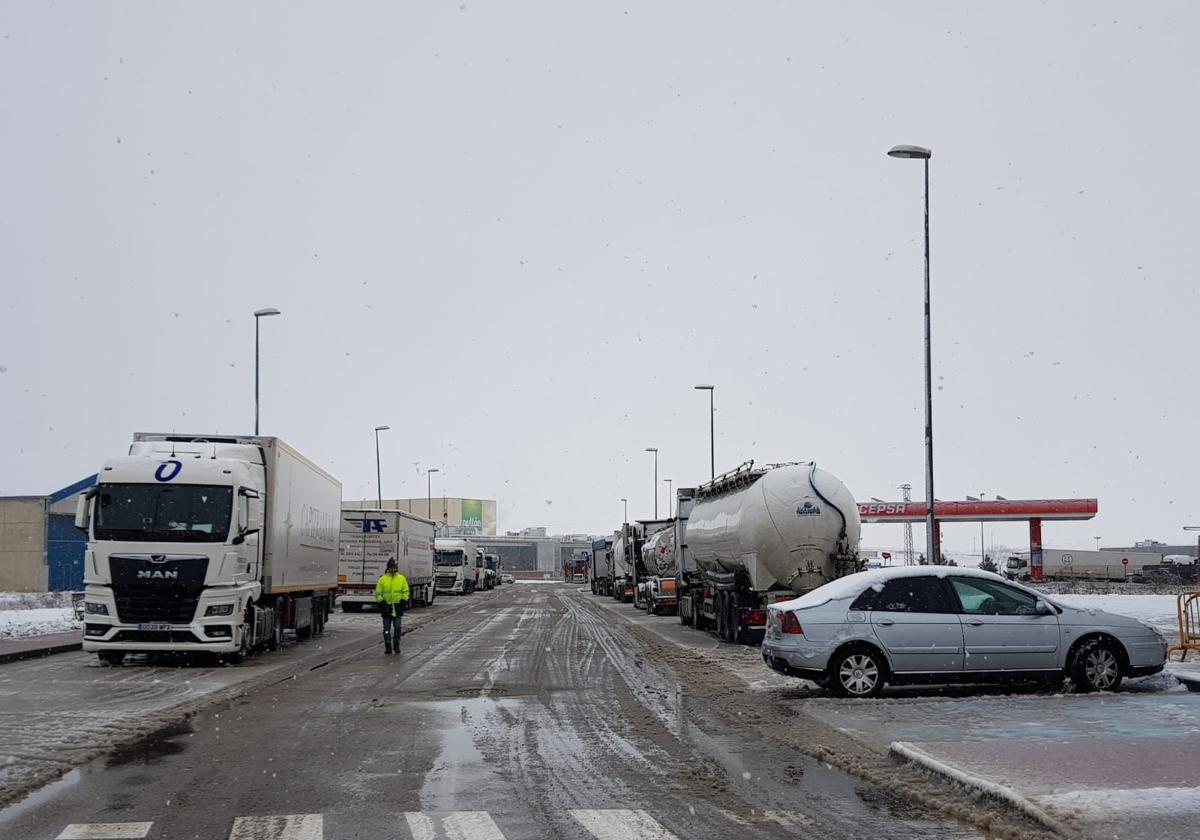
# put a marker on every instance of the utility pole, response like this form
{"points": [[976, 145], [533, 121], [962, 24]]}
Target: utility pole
{"points": [[908, 536]]}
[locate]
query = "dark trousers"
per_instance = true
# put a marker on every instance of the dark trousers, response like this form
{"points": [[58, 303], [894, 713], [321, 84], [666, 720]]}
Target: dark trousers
{"points": [[391, 627]]}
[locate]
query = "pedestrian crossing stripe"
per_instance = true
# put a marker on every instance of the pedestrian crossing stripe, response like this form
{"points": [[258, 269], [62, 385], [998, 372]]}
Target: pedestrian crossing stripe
{"points": [[456, 825], [106, 831], [602, 824]]}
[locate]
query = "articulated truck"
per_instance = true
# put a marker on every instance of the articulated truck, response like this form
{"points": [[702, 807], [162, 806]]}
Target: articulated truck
{"points": [[369, 539], [757, 535], [1059, 564], [458, 566], [210, 544], [600, 574]]}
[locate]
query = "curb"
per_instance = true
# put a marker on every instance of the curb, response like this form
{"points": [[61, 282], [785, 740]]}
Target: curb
{"points": [[908, 752], [34, 653]]}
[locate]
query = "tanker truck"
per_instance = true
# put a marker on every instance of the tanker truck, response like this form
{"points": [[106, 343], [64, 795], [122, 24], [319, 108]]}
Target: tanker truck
{"points": [[209, 545], [758, 535], [657, 586], [600, 573], [624, 546]]}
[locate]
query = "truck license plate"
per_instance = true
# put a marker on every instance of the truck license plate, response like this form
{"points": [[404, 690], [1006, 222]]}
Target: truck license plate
{"points": [[155, 625]]}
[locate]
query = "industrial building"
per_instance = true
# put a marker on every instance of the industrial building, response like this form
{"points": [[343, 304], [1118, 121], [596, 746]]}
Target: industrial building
{"points": [[455, 517], [40, 548], [533, 554]]}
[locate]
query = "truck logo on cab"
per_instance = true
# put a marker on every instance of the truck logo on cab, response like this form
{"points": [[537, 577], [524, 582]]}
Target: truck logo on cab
{"points": [[162, 474], [157, 574]]}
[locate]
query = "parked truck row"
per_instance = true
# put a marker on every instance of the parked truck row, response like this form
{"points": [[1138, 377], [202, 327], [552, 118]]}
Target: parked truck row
{"points": [[222, 544], [748, 538]]}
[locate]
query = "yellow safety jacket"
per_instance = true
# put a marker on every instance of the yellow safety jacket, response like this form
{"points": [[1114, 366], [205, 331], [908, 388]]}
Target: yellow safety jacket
{"points": [[392, 590]]}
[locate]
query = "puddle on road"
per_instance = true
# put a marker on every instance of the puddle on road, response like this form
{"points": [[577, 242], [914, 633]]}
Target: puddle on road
{"points": [[153, 748], [39, 797], [459, 771]]}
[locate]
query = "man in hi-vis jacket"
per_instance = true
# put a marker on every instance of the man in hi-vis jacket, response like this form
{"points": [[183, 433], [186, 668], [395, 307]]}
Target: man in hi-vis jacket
{"points": [[391, 592]]}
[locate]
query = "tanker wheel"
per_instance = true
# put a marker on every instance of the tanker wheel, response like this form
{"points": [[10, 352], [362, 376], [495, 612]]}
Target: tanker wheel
{"points": [[731, 621], [719, 609]]}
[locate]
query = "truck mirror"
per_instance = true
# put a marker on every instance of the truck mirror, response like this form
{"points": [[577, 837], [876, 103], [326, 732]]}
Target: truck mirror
{"points": [[241, 537], [81, 512]]}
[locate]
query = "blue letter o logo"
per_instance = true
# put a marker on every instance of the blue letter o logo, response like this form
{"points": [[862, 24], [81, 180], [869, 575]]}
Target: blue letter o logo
{"points": [[162, 473]]}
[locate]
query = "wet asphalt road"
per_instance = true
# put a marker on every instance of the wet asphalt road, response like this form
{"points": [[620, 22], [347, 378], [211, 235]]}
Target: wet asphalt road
{"points": [[532, 715]]}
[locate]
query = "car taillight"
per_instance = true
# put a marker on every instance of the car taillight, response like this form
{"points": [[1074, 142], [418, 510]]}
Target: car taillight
{"points": [[791, 624]]}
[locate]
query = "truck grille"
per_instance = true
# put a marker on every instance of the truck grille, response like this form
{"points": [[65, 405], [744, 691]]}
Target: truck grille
{"points": [[160, 589], [446, 581], [176, 636]]}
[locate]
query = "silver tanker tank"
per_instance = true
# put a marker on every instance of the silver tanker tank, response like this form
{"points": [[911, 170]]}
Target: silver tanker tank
{"points": [[658, 553], [794, 526], [621, 554]]}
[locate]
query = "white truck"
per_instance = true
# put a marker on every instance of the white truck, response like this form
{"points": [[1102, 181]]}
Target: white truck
{"points": [[755, 536], [207, 544], [458, 565], [1065, 564], [600, 568], [369, 538]]}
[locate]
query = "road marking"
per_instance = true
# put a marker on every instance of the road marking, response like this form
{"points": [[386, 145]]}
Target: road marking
{"points": [[106, 831], [290, 827], [456, 825], [621, 824]]}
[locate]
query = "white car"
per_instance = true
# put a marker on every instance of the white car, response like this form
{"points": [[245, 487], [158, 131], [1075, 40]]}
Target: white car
{"points": [[507, 579], [938, 624]]}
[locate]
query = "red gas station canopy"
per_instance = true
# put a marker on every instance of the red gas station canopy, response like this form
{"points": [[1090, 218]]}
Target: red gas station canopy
{"points": [[1006, 510]]}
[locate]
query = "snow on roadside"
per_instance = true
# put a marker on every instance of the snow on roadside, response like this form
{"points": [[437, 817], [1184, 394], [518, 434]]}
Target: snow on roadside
{"points": [[33, 600], [1157, 610], [21, 624]]}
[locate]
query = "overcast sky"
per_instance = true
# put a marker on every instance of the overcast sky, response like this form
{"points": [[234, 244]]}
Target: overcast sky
{"points": [[519, 233]]}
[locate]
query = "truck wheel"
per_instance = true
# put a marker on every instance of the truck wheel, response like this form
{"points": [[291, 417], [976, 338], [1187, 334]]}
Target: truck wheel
{"points": [[110, 657], [1097, 667], [857, 672]]}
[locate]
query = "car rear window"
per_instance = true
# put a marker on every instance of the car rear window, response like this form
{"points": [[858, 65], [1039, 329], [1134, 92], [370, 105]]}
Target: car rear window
{"points": [[906, 594]]}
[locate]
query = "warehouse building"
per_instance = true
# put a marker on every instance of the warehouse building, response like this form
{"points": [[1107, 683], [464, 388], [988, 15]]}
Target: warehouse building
{"points": [[455, 517], [41, 550]]}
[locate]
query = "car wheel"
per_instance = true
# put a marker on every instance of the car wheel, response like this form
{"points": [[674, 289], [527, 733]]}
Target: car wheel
{"points": [[858, 672], [1097, 667]]}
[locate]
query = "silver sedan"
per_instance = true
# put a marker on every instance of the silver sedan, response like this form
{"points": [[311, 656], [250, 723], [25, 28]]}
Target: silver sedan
{"points": [[922, 624]]}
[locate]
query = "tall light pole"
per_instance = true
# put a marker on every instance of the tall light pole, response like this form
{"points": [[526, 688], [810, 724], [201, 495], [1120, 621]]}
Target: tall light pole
{"points": [[712, 433], [670, 498], [626, 503], [982, 550], [655, 451], [378, 473], [429, 492], [259, 313], [931, 537], [1097, 539]]}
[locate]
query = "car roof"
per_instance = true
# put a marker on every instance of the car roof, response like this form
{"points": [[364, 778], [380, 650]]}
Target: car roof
{"points": [[851, 586]]}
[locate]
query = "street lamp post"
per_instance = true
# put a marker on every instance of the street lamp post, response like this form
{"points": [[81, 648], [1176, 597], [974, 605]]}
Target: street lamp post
{"points": [[626, 503], [429, 492], [378, 473], [1097, 539], [931, 538], [1195, 528], [259, 313], [670, 498], [712, 434], [982, 551], [655, 451]]}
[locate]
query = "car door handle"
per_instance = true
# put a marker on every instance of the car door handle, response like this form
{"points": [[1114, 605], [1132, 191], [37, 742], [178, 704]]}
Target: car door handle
{"points": [[885, 622], [975, 622]]}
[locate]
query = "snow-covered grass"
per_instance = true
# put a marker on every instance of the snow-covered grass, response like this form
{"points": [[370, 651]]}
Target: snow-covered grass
{"points": [[33, 600], [20, 624], [1158, 610]]}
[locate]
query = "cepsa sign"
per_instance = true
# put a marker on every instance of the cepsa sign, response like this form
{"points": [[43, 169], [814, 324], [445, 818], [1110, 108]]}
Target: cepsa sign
{"points": [[892, 508]]}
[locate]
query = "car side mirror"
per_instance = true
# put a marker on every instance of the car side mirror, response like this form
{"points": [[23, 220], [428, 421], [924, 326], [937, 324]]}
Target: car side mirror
{"points": [[1044, 608]]}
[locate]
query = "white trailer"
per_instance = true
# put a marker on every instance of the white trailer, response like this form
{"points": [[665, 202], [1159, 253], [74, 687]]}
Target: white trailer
{"points": [[1068, 564], [600, 570], [207, 544], [458, 565], [758, 535], [369, 538]]}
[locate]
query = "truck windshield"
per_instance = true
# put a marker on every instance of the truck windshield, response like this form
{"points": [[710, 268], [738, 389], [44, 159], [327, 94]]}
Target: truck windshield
{"points": [[448, 558], [163, 513], [1014, 563]]}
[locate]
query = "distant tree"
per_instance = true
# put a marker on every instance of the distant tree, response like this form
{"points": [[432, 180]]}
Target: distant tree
{"points": [[952, 562], [921, 561], [987, 564]]}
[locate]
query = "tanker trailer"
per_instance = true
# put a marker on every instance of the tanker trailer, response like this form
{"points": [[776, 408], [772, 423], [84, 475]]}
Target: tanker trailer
{"points": [[760, 535], [622, 563], [657, 591]]}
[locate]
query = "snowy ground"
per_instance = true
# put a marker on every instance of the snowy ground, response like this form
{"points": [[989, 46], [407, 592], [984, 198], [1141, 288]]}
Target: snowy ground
{"points": [[1158, 610], [21, 624]]}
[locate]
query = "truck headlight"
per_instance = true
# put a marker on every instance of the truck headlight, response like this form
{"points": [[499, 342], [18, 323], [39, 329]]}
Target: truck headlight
{"points": [[219, 609], [93, 608]]}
